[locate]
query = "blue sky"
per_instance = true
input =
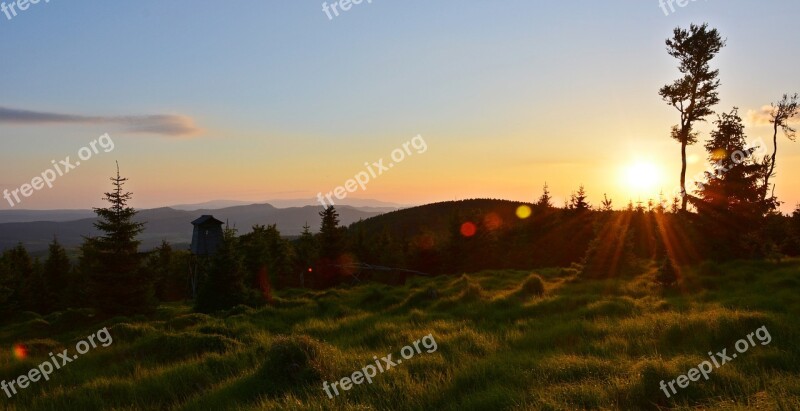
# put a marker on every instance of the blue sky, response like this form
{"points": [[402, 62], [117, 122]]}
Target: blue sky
{"points": [[508, 94]]}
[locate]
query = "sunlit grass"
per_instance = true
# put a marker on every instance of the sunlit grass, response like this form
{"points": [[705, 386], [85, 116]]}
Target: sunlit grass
{"points": [[506, 340]]}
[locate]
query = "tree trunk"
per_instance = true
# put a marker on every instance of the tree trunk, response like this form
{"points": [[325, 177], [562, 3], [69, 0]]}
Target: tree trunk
{"points": [[684, 198], [772, 163]]}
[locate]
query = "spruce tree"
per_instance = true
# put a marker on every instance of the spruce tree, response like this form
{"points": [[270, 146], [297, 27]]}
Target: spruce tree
{"points": [[733, 185], [545, 201], [267, 256], [607, 203], [578, 200], [118, 285], [223, 285], [306, 254], [667, 275], [729, 202], [8, 304], [16, 272], [331, 248], [26, 281], [159, 266], [56, 274]]}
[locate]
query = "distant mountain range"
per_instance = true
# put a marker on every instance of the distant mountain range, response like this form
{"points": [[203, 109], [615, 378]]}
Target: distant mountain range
{"points": [[371, 205], [35, 229], [27, 216]]}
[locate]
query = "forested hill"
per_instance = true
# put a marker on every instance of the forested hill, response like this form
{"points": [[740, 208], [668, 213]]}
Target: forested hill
{"points": [[439, 217], [469, 235]]}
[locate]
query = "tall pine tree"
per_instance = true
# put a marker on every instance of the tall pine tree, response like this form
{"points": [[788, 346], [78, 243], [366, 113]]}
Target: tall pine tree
{"points": [[118, 285]]}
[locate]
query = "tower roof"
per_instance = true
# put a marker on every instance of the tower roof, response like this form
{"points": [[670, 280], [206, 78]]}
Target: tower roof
{"points": [[207, 219]]}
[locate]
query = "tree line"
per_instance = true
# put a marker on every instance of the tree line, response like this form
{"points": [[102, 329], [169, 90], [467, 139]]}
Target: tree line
{"points": [[734, 214]]}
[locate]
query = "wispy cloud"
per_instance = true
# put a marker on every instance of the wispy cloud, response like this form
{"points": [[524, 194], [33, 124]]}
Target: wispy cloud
{"points": [[160, 124], [763, 116]]}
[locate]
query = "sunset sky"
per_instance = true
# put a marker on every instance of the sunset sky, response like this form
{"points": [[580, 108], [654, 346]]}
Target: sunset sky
{"points": [[258, 100]]}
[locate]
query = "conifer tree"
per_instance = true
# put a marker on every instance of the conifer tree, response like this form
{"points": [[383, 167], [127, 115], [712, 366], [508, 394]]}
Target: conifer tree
{"points": [[545, 200], [266, 253], [667, 275], [56, 276], [18, 288], [676, 205], [159, 265], [331, 248], [730, 201], [118, 285], [607, 204], [223, 285], [8, 304], [733, 184], [26, 280], [578, 200], [306, 254], [661, 208]]}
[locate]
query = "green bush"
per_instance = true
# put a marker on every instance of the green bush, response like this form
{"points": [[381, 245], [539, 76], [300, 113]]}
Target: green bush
{"points": [[533, 285], [296, 361], [667, 276]]}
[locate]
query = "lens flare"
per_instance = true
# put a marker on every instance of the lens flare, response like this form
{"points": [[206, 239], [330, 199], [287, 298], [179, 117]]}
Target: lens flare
{"points": [[492, 221], [20, 352], [523, 212], [468, 229], [425, 242]]}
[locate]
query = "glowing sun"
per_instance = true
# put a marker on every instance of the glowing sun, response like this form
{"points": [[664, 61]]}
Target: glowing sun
{"points": [[642, 176]]}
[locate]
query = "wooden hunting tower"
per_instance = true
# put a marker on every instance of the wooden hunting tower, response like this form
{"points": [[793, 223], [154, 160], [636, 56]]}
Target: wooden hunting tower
{"points": [[207, 235], [206, 238]]}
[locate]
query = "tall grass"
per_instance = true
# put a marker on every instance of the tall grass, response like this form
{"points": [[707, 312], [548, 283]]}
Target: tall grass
{"points": [[506, 340]]}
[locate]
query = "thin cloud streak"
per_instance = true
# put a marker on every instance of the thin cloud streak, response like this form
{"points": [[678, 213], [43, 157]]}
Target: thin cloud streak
{"points": [[161, 124], [763, 117]]}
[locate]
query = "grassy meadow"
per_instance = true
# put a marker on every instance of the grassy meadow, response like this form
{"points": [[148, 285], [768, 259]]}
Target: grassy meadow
{"points": [[582, 344]]}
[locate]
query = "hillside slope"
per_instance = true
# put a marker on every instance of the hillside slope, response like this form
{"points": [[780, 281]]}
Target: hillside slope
{"points": [[499, 346]]}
